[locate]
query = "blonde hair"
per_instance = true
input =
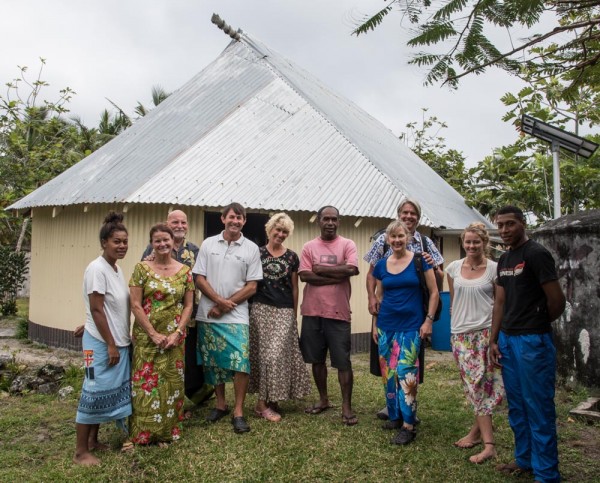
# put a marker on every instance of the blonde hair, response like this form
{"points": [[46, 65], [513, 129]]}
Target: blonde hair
{"points": [[414, 203], [481, 231], [395, 225], [282, 220]]}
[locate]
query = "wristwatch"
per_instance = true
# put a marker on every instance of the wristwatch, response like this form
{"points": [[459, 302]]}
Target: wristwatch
{"points": [[430, 317]]}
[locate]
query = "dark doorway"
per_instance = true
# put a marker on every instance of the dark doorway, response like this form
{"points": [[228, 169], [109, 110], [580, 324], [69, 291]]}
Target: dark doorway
{"points": [[254, 229]]}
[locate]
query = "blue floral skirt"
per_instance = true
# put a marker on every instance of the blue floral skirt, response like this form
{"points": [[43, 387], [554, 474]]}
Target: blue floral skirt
{"points": [[399, 362], [223, 351]]}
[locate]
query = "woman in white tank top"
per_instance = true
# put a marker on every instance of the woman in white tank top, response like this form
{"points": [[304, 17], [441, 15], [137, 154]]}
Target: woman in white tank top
{"points": [[471, 282]]}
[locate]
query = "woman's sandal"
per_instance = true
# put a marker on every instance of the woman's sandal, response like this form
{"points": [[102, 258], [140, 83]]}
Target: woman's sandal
{"points": [[269, 415], [477, 459], [127, 447]]}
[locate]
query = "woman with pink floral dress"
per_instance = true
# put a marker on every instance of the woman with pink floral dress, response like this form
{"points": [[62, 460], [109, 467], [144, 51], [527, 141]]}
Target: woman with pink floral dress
{"points": [[471, 283], [162, 293]]}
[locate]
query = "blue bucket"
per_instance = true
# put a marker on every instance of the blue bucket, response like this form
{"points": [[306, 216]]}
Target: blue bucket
{"points": [[440, 339]]}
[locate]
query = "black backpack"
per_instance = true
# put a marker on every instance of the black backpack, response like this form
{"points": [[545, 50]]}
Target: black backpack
{"points": [[424, 289], [376, 235]]}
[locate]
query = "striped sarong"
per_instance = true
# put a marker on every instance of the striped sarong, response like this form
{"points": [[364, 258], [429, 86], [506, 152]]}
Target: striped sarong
{"points": [[106, 392]]}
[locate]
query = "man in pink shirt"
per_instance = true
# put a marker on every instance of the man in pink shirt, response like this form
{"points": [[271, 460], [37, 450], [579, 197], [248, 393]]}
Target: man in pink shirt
{"points": [[326, 265]]}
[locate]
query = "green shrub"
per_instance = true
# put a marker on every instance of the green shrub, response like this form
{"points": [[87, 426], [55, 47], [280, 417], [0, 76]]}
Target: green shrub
{"points": [[22, 331], [9, 307], [14, 268]]}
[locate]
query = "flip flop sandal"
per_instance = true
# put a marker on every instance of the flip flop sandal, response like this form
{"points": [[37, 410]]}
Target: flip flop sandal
{"points": [[351, 420], [317, 409]]}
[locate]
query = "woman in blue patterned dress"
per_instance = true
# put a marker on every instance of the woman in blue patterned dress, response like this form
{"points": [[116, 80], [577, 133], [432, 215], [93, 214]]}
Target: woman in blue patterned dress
{"points": [[399, 328]]}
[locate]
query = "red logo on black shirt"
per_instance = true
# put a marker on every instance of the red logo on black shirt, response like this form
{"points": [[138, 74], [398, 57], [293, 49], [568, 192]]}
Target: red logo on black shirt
{"points": [[513, 272]]}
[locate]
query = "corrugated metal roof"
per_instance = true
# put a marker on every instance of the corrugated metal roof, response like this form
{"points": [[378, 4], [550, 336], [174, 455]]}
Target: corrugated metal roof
{"points": [[255, 128]]}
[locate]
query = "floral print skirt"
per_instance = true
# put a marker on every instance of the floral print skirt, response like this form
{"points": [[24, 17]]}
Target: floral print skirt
{"points": [[399, 362], [278, 371], [157, 394], [222, 351], [482, 381]]}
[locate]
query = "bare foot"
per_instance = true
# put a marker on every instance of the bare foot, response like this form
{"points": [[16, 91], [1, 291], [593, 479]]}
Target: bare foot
{"points": [[489, 452], [85, 459], [467, 442], [97, 446]]}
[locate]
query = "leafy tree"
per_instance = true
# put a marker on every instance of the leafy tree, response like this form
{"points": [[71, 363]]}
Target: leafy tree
{"points": [[462, 29], [36, 144], [14, 268], [424, 138], [521, 176], [521, 173]]}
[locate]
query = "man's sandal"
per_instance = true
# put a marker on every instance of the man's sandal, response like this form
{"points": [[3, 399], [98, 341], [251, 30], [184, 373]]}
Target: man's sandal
{"points": [[350, 420], [512, 469], [317, 409]]}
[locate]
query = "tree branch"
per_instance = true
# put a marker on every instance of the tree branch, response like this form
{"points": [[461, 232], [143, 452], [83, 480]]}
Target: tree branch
{"points": [[537, 40]]}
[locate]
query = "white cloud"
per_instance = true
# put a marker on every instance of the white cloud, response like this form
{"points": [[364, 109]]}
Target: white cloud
{"points": [[119, 50]]}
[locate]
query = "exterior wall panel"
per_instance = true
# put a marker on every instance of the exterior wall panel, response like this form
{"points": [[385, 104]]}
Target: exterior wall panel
{"points": [[63, 245]]}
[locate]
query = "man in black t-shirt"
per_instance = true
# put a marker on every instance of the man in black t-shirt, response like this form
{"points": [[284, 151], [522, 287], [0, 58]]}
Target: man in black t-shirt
{"points": [[528, 299]]}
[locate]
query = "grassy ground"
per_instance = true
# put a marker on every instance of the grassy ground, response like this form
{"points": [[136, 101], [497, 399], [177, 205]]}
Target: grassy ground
{"points": [[37, 438]]}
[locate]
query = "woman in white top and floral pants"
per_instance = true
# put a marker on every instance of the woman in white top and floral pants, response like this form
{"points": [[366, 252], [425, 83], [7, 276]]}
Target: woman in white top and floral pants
{"points": [[471, 283]]}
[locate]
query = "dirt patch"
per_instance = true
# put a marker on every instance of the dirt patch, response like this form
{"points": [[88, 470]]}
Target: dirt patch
{"points": [[35, 355], [587, 442]]}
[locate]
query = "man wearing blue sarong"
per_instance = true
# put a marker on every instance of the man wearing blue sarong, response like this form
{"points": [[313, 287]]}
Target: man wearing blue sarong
{"points": [[226, 272]]}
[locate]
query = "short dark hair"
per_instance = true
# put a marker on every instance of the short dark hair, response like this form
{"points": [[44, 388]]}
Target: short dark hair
{"points": [[161, 228], [112, 222], [237, 209], [320, 212], [511, 209]]}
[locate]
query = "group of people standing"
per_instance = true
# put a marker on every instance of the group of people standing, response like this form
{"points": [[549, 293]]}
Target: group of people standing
{"points": [[500, 314]]}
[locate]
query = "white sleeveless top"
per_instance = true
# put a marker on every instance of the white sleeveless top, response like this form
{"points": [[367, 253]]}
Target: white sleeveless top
{"points": [[473, 299]]}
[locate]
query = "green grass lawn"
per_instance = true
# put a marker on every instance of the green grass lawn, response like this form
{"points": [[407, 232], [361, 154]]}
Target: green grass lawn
{"points": [[37, 439]]}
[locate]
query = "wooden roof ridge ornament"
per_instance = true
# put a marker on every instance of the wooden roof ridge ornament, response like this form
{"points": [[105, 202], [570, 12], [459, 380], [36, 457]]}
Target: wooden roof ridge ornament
{"points": [[228, 29]]}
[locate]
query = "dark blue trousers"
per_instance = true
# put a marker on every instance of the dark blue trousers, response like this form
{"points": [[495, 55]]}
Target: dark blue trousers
{"points": [[529, 373]]}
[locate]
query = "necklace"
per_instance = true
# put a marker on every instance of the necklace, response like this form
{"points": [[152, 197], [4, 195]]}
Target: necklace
{"points": [[475, 267], [163, 267]]}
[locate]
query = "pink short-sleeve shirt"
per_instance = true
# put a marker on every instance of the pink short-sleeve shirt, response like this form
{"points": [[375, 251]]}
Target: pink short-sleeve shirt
{"points": [[328, 301]]}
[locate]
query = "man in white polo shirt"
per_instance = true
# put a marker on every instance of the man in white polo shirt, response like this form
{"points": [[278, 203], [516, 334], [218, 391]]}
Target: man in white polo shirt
{"points": [[226, 272]]}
